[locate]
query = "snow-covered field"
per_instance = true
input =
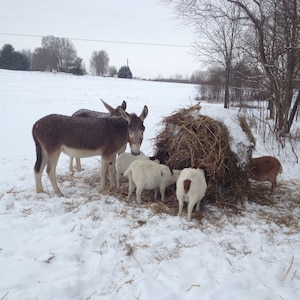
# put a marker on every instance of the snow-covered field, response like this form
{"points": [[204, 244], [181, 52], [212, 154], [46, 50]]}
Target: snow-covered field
{"points": [[89, 245]]}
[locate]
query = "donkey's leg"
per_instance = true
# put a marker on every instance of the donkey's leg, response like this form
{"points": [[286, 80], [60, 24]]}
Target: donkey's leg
{"points": [[104, 170], [112, 171], [71, 164], [118, 178], [118, 175], [78, 164], [51, 171], [38, 174]]}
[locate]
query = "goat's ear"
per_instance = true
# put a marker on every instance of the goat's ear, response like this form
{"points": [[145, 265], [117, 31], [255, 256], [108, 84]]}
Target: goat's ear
{"points": [[124, 105], [124, 115], [107, 106], [144, 113]]}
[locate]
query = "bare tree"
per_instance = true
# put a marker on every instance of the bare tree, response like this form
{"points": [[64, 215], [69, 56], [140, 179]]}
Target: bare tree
{"points": [[272, 41], [277, 32], [42, 59], [66, 54], [55, 53], [112, 70], [99, 63], [62, 53], [217, 28]]}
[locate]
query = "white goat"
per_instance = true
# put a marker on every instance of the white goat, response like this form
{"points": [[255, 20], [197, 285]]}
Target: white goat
{"points": [[122, 163], [149, 175], [190, 187]]}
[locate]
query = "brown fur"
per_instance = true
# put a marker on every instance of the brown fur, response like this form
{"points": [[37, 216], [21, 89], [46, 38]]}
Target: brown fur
{"points": [[186, 185], [75, 136], [54, 131], [86, 113], [161, 155], [265, 168], [113, 112]]}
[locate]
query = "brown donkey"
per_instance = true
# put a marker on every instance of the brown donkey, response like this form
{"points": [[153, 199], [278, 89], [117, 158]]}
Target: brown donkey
{"points": [[84, 137], [86, 113]]}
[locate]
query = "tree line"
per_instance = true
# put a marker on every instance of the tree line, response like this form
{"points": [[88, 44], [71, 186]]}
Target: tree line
{"points": [[59, 54], [253, 42]]}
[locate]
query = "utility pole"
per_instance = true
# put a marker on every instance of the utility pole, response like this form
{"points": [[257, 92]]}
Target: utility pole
{"points": [[127, 69]]}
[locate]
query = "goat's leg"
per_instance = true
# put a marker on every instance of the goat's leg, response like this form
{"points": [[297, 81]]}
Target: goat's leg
{"points": [[190, 209], [274, 184], [131, 186], [198, 205], [51, 171], [162, 190], [180, 203], [139, 190]]}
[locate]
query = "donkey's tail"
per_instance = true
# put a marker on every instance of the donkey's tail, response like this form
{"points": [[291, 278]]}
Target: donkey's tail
{"points": [[39, 153]]}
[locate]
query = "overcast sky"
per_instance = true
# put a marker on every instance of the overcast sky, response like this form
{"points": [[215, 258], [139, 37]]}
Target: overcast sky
{"points": [[121, 28]]}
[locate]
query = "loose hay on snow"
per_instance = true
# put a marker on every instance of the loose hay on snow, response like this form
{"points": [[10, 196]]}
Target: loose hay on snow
{"points": [[189, 139]]}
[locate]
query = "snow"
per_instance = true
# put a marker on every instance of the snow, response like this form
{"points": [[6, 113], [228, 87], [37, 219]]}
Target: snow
{"points": [[239, 142], [89, 245]]}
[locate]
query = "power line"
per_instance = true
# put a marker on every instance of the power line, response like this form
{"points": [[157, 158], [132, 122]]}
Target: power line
{"points": [[103, 41]]}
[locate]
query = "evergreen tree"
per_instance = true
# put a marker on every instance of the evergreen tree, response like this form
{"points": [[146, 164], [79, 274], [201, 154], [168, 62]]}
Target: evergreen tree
{"points": [[6, 56], [78, 68], [112, 71], [13, 60]]}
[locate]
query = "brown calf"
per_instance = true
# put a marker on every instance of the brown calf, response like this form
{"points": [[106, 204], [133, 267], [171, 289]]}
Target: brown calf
{"points": [[265, 168]]}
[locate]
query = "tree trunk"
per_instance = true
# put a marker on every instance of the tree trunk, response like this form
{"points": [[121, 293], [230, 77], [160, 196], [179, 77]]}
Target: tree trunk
{"points": [[271, 108], [293, 113], [227, 82]]}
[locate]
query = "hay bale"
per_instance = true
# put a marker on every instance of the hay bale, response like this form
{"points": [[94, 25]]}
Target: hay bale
{"points": [[189, 139]]}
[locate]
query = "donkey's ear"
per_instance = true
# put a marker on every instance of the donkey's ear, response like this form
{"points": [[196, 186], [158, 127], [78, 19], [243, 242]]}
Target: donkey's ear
{"points": [[124, 114], [144, 113], [124, 105], [107, 106]]}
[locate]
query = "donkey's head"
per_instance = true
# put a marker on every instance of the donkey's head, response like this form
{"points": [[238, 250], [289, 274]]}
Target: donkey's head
{"points": [[115, 112], [136, 129]]}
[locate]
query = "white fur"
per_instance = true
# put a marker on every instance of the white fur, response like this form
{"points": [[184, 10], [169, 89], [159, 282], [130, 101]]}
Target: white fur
{"points": [[149, 175], [196, 191], [123, 162]]}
